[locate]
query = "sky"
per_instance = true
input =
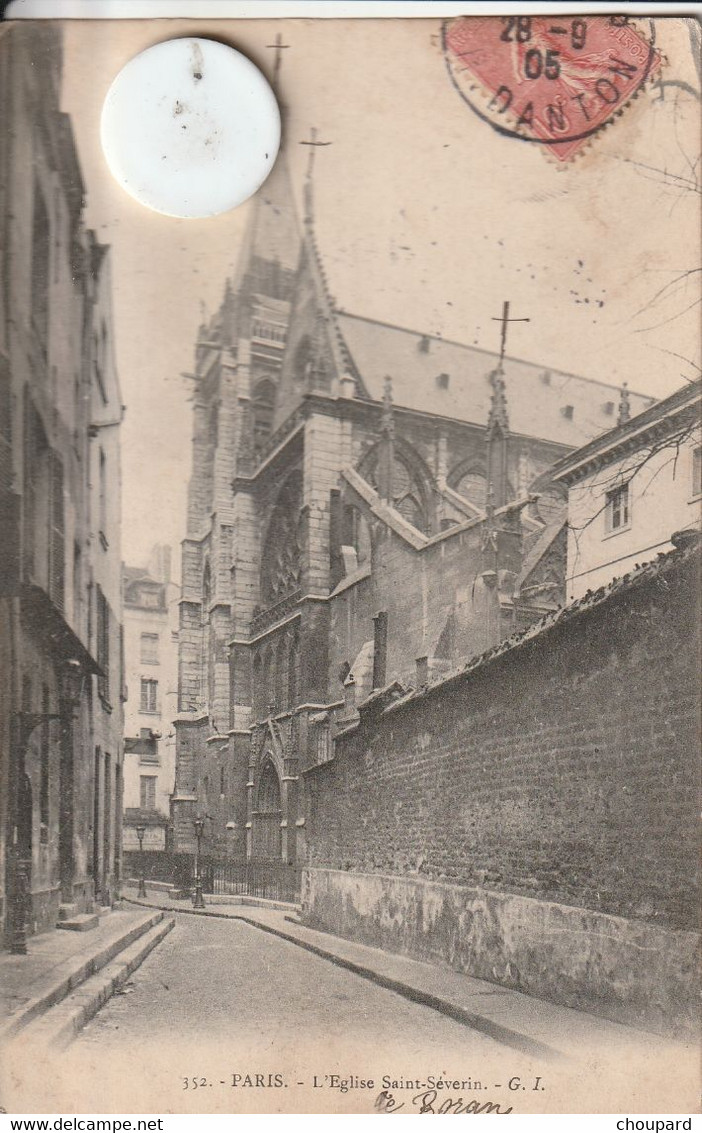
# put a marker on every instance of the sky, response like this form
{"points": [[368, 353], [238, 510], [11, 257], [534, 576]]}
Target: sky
{"points": [[425, 217]]}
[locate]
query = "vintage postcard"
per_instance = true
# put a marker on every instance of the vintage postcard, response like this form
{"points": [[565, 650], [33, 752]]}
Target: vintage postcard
{"points": [[349, 567]]}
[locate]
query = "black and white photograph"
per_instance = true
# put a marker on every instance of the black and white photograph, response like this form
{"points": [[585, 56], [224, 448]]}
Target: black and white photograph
{"points": [[350, 486]]}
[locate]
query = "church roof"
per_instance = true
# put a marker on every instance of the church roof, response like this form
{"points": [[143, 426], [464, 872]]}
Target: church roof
{"points": [[436, 375]]}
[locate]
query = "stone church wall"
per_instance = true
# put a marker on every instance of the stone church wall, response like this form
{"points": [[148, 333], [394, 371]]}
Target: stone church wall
{"points": [[516, 778]]}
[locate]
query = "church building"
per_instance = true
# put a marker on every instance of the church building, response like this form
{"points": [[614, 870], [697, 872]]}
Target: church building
{"points": [[368, 504]]}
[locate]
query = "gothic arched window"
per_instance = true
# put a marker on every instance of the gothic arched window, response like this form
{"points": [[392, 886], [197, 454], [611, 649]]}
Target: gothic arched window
{"points": [[206, 590], [257, 685], [280, 561], [293, 670], [263, 402], [410, 490], [302, 360], [474, 486]]}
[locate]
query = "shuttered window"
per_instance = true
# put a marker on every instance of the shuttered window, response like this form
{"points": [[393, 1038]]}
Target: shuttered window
{"points": [[57, 551]]}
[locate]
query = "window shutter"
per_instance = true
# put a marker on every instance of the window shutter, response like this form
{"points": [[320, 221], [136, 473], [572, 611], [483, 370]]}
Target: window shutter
{"points": [[56, 531]]}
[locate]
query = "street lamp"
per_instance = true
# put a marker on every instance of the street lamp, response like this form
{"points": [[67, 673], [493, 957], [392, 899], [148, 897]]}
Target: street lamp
{"points": [[140, 831], [23, 724], [198, 899]]}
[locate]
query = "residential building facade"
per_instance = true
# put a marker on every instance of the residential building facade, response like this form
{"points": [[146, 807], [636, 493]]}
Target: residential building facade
{"points": [[60, 410], [631, 489], [151, 665], [367, 505]]}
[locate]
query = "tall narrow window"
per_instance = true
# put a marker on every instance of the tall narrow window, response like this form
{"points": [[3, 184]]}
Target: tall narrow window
{"points": [[617, 508], [40, 273], [36, 496], [147, 792], [149, 696], [103, 643], [77, 587], [57, 567], [697, 471], [149, 649]]}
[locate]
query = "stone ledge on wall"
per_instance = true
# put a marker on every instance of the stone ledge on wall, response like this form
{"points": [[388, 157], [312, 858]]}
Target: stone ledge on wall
{"points": [[626, 970]]}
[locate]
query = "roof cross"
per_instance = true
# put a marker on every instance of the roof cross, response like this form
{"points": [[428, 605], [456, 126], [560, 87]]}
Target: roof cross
{"points": [[505, 319], [279, 47]]}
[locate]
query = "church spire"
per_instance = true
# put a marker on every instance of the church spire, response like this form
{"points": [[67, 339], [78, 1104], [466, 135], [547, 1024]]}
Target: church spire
{"points": [[386, 458], [498, 421]]}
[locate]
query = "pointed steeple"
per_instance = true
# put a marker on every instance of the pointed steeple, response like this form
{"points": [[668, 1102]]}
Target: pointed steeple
{"points": [[498, 418], [497, 436], [624, 413], [386, 458]]}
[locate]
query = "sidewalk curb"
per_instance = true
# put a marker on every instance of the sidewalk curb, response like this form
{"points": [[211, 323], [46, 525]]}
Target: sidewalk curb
{"points": [[497, 1031], [75, 977], [74, 1012]]}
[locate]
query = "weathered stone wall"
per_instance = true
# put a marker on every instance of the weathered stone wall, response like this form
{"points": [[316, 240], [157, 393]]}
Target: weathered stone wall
{"points": [[561, 769], [628, 970]]}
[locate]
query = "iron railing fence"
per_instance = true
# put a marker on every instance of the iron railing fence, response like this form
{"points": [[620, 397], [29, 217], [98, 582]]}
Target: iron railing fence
{"points": [[274, 880]]}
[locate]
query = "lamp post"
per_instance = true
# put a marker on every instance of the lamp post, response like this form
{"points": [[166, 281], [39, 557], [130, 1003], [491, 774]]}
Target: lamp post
{"points": [[198, 899], [23, 724], [141, 890]]}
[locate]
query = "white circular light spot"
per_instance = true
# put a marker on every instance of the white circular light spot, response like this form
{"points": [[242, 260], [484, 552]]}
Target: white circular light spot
{"points": [[190, 128]]}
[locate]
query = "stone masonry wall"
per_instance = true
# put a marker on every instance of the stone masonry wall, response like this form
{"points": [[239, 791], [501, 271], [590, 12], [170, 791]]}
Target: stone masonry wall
{"points": [[563, 769]]}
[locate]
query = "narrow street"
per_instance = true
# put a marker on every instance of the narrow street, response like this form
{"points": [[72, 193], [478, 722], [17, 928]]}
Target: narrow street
{"points": [[222, 998]]}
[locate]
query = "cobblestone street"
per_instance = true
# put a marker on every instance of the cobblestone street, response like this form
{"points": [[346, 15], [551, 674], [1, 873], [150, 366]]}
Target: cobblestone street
{"points": [[224, 1017], [222, 998]]}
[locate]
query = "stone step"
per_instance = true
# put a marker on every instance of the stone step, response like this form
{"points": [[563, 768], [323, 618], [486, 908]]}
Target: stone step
{"points": [[63, 978], [66, 912], [60, 1025], [84, 922]]}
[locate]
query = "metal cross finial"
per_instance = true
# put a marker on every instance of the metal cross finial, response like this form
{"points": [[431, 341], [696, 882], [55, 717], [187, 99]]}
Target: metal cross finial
{"points": [[505, 319], [312, 142], [279, 47]]}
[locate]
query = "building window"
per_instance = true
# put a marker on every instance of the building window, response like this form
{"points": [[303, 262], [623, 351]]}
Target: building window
{"points": [[323, 743], [697, 471], [103, 643], [149, 695], [147, 792], [149, 598], [56, 531], [41, 251], [617, 508], [149, 649]]}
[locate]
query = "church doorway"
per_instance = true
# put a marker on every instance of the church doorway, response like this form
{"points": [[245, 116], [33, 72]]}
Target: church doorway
{"points": [[267, 817]]}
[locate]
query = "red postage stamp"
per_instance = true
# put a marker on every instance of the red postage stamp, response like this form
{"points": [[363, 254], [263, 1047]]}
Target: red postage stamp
{"points": [[554, 80]]}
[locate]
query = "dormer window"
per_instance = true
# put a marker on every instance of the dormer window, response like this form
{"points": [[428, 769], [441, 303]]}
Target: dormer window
{"points": [[546, 377], [442, 381], [608, 408], [423, 345], [567, 412]]}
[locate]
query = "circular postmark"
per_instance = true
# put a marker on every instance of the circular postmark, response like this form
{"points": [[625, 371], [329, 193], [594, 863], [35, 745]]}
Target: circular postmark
{"points": [[553, 80]]}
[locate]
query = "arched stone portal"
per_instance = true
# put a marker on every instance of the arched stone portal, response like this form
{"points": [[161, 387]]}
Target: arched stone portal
{"points": [[267, 816]]}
